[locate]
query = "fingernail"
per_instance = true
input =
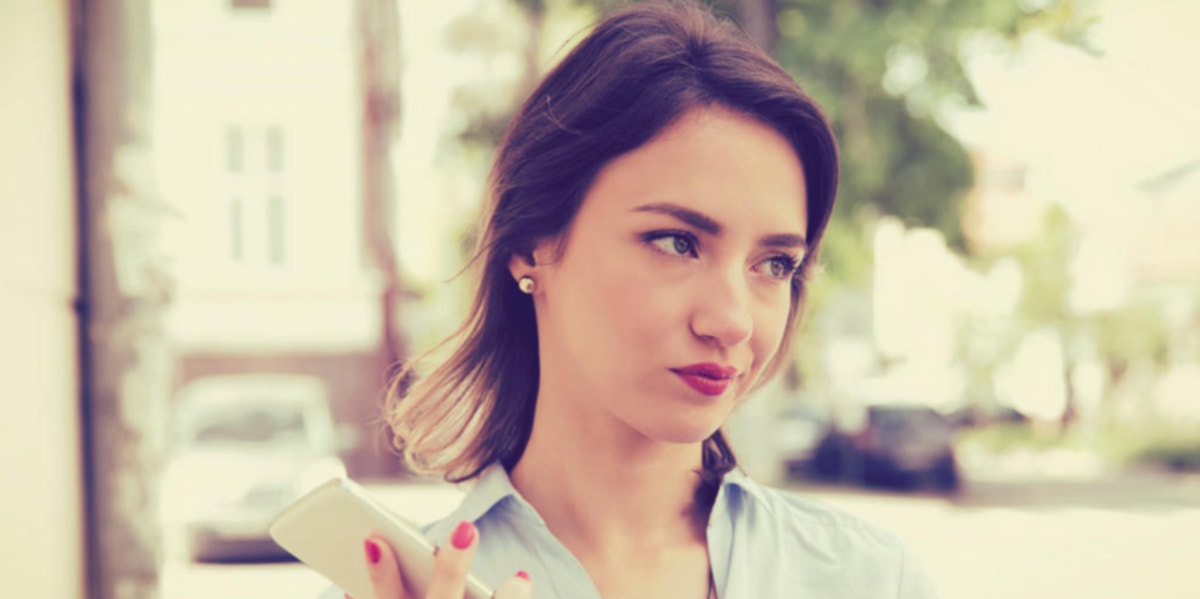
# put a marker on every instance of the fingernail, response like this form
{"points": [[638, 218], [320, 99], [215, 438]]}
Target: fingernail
{"points": [[523, 574], [372, 551], [463, 535]]}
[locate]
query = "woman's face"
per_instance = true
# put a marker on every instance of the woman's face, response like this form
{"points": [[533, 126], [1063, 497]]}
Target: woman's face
{"points": [[673, 287]]}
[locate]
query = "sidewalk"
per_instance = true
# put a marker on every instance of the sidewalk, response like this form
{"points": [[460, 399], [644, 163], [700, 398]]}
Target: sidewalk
{"points": [[1026, 464]]}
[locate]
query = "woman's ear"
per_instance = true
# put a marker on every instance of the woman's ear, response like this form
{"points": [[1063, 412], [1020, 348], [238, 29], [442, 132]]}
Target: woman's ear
{"points": [[521, 264], [534, 261]]}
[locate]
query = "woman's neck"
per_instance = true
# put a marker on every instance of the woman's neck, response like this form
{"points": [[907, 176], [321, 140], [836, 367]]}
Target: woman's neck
{"points": [[605, 490]]}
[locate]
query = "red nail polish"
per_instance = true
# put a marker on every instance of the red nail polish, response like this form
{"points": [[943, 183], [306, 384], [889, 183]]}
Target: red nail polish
{"points": [[463, 535], [372, 551], [523, 574]]}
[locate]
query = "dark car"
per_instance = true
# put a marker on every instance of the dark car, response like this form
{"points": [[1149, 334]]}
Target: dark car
{"points": [[799, 432], [892, 444], [975, 415]]}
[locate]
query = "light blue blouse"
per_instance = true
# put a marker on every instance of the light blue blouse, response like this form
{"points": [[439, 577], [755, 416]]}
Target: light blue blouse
{"points": [[763, 543]]}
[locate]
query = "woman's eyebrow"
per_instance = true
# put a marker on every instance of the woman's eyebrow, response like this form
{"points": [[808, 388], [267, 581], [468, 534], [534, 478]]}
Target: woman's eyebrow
{"points": [[708, 225], [785, 241], [687, 215]]}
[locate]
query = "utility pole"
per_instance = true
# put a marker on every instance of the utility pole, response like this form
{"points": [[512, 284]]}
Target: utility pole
{"points": [[378, 35], [379, 77], [125, 358]]}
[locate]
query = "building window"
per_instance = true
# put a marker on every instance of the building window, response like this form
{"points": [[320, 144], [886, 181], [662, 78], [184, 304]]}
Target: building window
{"points": [[255, 160], [275, 150], [234, 150], [235, 230], [275, 229]]}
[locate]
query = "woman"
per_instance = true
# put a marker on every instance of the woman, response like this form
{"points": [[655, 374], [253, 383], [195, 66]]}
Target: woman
{"points": [[656, 208]]}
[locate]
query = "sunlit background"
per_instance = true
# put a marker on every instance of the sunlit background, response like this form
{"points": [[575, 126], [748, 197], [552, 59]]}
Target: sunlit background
{"points": [[225, 220]]}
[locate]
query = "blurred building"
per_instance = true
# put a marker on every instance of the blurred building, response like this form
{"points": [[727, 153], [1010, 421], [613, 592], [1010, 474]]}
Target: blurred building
{"points": [[42, 525], [259, 135], [1167, 268], [1169, 251], [259, 123]]}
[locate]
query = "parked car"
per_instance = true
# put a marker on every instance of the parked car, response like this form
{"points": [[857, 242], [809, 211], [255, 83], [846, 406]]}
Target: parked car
{"points": [[892, 444], [975, 415], [798, 433], [246, 446]]}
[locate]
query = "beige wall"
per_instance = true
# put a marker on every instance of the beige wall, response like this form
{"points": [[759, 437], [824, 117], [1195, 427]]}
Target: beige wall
{"points": [[41, 529], [293, 70]]}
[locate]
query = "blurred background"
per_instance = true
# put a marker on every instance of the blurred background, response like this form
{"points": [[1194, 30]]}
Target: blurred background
{"points": [[224, 221]]}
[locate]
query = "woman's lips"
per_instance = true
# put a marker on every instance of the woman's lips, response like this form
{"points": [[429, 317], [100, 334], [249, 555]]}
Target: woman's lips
{"points": [[709, 379], [703, 384]]}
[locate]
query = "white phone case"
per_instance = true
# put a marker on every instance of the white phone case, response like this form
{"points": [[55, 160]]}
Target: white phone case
{"points": [[326, 528]]}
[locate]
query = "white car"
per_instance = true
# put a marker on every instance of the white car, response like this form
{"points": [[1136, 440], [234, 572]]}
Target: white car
{"points": [[245, 447]]}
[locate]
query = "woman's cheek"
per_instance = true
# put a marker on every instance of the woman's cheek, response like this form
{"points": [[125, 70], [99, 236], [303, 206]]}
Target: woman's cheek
{"points": [[768, 335], [629, 303], [771, 317]]}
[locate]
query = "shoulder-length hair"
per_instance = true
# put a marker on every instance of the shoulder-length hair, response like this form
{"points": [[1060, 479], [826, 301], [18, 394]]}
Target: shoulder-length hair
{"points": [[638, 71]]}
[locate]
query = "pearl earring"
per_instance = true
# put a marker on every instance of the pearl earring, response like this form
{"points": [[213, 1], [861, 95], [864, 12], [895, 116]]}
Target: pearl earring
{"points": [[526, 284]]}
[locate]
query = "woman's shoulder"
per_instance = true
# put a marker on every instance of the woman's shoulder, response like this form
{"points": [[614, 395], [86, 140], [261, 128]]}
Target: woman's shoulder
{"points": [[834, 552], [794, 514]]}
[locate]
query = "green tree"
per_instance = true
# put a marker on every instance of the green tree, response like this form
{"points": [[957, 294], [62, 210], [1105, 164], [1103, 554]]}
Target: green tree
{"points": [[883, 70], [1045, 298], [1133, 332], [1128, 334]]}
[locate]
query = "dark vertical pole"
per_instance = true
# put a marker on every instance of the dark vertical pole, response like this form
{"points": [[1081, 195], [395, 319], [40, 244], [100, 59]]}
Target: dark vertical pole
{"points": [[125, 358], [378, 35], [79, 36], [379, 68]]}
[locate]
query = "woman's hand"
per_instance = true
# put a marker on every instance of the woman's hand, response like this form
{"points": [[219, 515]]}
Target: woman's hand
{"points": [[450, 569]]}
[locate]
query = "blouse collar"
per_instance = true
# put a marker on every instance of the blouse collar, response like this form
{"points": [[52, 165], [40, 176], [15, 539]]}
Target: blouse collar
{"points": [[493, 487]]}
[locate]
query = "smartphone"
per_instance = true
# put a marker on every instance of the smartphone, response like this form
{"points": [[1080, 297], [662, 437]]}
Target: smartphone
{"points": [[326, 528]]}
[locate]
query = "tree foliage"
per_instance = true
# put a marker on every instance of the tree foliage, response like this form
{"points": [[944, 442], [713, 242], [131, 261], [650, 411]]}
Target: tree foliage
{"points": [[883, 70]]}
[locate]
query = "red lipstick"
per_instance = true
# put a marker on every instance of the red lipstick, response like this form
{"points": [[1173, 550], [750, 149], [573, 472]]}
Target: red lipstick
{"points": [[708, 378]]}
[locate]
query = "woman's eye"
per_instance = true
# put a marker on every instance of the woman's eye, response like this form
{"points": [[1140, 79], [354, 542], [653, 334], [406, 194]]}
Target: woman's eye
{"points": [[781, 267], [674, 243]]}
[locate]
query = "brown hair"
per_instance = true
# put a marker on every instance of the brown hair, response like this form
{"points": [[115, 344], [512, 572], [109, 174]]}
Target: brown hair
{"points": [[637, 72]]}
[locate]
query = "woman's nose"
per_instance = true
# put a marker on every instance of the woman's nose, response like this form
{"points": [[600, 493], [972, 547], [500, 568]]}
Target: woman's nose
{"points": [[722, 311]]}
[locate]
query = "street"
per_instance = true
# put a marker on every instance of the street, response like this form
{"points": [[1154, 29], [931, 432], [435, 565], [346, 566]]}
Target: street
{"points": [[1104, 539], [1110, 538]]}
